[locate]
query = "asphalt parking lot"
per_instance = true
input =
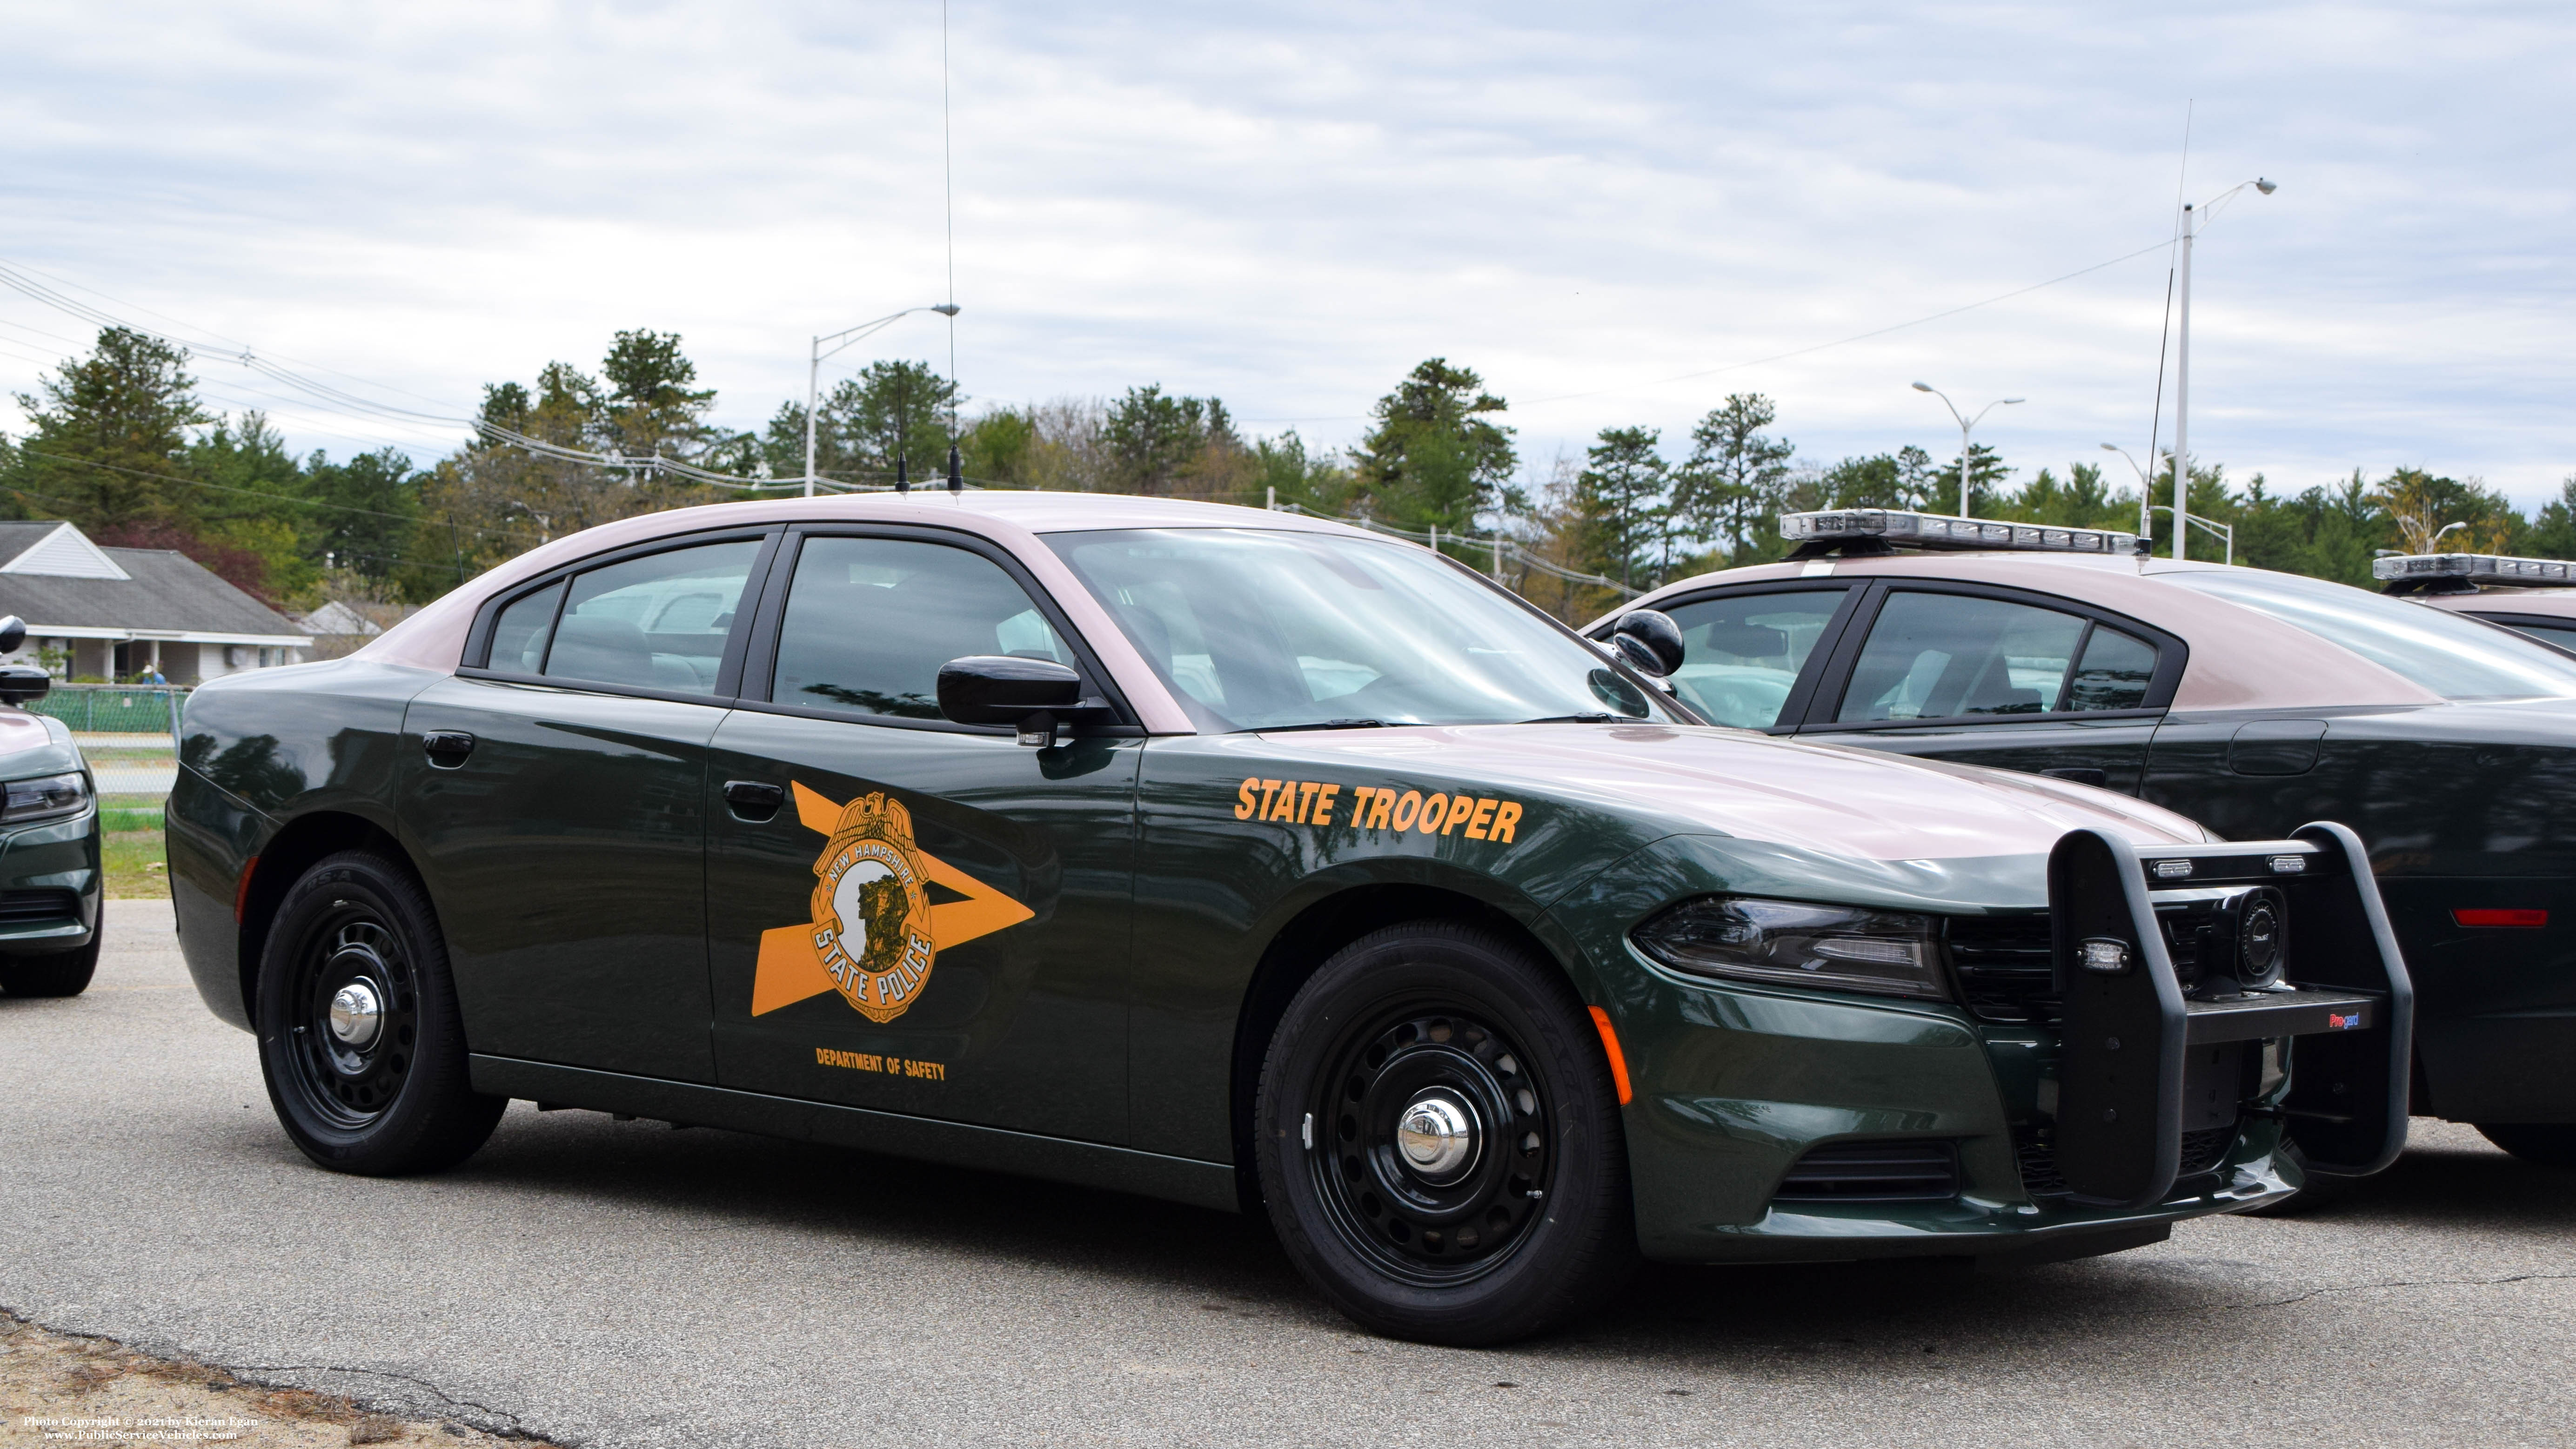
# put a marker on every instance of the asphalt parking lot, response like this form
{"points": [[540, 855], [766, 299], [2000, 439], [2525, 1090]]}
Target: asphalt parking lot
{"points": [[623, 1284]]}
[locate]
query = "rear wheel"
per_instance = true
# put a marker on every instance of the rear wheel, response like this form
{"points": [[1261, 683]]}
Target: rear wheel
{"points": [[359, 1035], [2543, 1144], [62, 973], [1439, 1142]]}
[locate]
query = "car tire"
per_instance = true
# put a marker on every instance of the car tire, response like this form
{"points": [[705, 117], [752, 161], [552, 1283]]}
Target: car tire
{"points": [[63, 973], [382, 1091], [2542, 1144], [1460, 1234]]}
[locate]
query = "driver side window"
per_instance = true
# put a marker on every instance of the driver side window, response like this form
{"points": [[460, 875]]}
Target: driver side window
{"points": [[870, 620]]}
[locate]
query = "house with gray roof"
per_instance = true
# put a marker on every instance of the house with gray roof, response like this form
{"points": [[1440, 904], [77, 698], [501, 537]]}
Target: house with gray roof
{"points": [[114, 612]]}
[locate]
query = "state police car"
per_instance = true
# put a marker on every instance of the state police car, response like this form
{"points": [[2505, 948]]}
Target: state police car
{"points": [[1255, 861]]}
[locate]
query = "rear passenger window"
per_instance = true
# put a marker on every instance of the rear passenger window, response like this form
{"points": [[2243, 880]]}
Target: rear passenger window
{"points": [[1949, 656], [1742, 653], [656, 622], [870, 620], [519, 635], [2116, 671]]}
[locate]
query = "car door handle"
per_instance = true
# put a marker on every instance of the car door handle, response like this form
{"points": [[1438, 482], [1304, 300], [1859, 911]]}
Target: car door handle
{"points": [[447, 749], [753, 800], [2080, 775]]}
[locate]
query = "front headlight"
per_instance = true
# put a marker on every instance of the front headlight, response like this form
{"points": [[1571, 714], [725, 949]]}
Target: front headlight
{"points": [[40, 799], [1794, 943]]}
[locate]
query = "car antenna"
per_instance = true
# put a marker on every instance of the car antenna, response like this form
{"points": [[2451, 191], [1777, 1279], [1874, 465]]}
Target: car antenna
{"points": [[956, 471], [902, 479]]}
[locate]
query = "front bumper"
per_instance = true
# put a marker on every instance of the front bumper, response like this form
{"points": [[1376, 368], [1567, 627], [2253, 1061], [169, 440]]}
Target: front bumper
{"points": [[50, 885], [1739, 1089]]}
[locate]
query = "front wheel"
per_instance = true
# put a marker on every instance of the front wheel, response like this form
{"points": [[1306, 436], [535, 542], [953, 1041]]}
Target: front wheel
{"points": [[2542, 1144], [1439, 1142], [359, 1035]]}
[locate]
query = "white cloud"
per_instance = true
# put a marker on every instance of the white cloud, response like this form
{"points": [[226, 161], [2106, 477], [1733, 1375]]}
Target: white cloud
{"points": [[1290, 207]]}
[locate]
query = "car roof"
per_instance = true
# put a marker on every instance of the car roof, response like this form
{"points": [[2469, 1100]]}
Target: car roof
{"points": [[1015, 520], [2240, 658], [2550, 603]]}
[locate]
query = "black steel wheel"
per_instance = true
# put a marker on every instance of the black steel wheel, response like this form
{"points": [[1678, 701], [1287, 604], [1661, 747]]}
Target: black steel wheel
{"points": [[2542, 1144], [1438, 1139], [58, 973], [359, 1035]]}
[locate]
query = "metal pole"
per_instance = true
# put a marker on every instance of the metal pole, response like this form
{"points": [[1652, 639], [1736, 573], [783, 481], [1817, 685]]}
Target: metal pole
{"points": [[2182, 402], [813, 367], [1964, 426]]}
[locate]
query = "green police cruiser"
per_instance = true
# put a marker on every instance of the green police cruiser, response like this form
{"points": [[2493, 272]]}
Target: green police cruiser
{"points": [[1256, 862], [50, 880]]}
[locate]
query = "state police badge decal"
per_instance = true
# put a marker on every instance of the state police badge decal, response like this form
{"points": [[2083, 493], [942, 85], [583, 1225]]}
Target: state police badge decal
{"points": [[873, 930], [872, 909]]}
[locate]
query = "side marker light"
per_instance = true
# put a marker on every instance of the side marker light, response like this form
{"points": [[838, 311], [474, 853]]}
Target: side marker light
{"points": [[241, 892], [2289, 864], [2502, 919], [2170, 869], [1618, 1058]]}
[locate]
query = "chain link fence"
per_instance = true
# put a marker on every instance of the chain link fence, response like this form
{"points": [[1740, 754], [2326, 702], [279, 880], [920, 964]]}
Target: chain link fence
{"points": [[115, 709]]}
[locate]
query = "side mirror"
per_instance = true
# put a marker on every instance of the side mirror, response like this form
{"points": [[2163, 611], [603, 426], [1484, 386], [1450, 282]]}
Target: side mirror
{"points": [[1648, 641], [22, 682], [13, 632], [1028, 694]]}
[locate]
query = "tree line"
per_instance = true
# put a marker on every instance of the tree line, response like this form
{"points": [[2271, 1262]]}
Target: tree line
{"points": [[119, 442]]}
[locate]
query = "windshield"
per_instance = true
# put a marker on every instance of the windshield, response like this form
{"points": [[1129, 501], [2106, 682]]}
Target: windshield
{"points": [[2455, 657], [1255, 629]]}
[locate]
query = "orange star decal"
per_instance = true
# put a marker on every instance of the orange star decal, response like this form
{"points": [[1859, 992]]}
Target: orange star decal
{"points": [[874, 935]]}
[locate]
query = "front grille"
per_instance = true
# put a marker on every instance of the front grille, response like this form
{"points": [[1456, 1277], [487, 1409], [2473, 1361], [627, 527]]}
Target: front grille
{"points": [[2038, 1154], [1912, 1171], [2005, 966], [2202, 1151], [19, 908]]}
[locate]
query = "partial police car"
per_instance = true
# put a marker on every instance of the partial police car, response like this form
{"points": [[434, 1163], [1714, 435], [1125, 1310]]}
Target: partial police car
{"points": [[2526, 594], [1246, 860], [50, 879], [2247, 699]]}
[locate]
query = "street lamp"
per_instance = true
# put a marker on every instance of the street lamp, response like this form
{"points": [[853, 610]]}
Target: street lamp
{"points": [[839, 340], [2146, 489], [1966, 426], [2182, 357]]}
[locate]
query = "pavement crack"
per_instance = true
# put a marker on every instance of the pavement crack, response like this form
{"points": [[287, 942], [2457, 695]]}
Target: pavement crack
{"points": [[2327, 1291], [516, 1425]]}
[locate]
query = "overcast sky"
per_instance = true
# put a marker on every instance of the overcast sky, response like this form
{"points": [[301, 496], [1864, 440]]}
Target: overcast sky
{"points": [[1288, 207]]}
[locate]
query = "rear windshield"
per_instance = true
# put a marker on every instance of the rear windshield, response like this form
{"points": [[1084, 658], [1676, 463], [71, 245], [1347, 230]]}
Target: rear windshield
{"points": [[2454, 657]]}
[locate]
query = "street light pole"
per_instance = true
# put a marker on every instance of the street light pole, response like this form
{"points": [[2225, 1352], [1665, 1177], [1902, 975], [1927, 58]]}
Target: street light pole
{"points": [[2191, 220], [839, 340], [1967, 425]]}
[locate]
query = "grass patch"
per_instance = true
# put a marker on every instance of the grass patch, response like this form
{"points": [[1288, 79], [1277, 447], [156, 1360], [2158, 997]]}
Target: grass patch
{"points": [[135, 867]]}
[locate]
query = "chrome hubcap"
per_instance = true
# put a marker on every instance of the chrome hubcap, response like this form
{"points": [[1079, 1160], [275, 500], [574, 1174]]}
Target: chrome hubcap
{"points": [[357, 1014], [1437, 1136]]}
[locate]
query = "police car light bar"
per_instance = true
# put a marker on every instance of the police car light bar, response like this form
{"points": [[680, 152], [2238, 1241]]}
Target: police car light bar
{"points": [[1934, 530], [2476, 568]]}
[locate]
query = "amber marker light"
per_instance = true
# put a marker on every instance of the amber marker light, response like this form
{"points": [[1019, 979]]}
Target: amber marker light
{"points": [[2510, 920], [1618, 1058]]}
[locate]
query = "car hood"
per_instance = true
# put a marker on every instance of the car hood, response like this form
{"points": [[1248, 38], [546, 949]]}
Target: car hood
{"points": [[1832, 799]]}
